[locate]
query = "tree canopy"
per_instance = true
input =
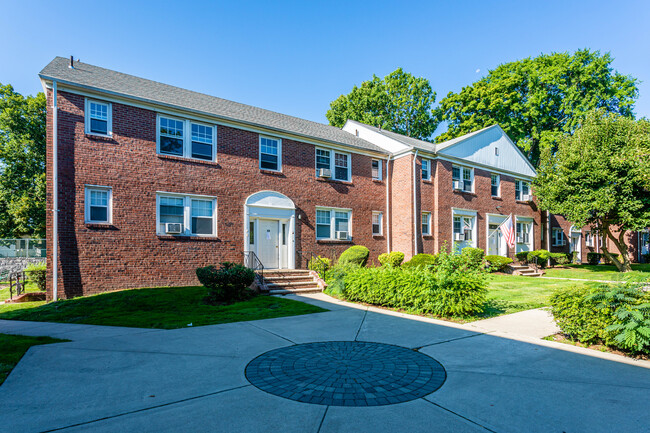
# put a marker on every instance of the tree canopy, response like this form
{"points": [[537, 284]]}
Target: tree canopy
{"points": [[22, 163], [399, 102], [597, 178], [535, 100]]}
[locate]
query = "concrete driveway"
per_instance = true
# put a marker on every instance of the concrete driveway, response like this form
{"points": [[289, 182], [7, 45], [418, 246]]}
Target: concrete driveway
{"points": [[112, 379]]}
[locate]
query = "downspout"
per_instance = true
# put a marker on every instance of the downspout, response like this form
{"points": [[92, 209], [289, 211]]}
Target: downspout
{"points": [[548, 234], [55, 197], [415, 215], [387, 206]]}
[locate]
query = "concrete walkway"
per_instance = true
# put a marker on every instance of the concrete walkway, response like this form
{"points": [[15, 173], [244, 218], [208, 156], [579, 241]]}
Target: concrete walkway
{"points": [[537, 323], [111, 379]]}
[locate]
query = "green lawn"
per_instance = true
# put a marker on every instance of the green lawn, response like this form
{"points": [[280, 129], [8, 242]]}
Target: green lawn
{"points": [[639, 272], [163, 307], [4, 290], [509, 294], [13, 347]]}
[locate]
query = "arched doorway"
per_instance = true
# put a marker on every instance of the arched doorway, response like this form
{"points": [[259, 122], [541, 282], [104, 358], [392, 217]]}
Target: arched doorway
{"points": [[269, 229]]}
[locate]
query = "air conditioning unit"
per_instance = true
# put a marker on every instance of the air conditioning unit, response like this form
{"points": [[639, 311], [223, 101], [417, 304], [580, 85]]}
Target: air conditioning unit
{"points": [[520, 239], [342, 235], [324, 172], [173, 228], [459, 236], [526, 197], [458, 184]]}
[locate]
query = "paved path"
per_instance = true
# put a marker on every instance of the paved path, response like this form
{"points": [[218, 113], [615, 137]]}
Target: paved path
{"points": [[110, 379], [537, 323], [581, 280]]}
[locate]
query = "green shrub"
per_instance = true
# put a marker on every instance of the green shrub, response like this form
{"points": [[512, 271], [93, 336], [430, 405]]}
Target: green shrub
{"points": [[593, 258], [497, 263], [474, 256], [357, 255], [538, 256], [559, 259], [420, 260], [573, 258], [522, 257], [577, 315], [394, 258], [37, 272], [335, 278], [646, 258], [320, 265], [228, 283], [631, 328]]}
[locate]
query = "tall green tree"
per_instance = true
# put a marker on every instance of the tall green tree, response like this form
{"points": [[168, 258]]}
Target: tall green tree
{"points": [[597, 177], [22, 163], [399, 102], [535, 100]]}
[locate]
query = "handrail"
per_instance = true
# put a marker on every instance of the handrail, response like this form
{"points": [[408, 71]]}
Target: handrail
{"points": [[308, 256], [253, 262]]}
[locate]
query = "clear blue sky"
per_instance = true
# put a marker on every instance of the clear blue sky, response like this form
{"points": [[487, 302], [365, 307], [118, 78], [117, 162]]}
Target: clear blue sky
{"points": [[296, 57]]}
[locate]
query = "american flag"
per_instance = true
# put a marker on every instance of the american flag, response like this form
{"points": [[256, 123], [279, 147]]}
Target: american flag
{"points": [[508, 230]]}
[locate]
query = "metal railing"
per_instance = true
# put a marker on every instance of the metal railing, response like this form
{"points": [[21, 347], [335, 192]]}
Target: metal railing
{"points": [[306, 257], [253, 262], [17, 281], [22, 248]]}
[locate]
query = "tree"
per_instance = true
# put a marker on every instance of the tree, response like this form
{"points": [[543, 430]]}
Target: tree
{"points": [[400, 103], [537, 100], [22, 163], [596, 178]]}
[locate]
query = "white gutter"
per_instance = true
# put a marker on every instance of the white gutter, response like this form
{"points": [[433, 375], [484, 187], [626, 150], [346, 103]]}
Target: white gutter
{"points": [[55, 197], [548, 234], [387, 206], [415, 215]]}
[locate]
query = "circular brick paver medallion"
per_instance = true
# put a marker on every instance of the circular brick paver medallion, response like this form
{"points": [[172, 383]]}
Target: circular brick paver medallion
{"points": [[346, 373]]}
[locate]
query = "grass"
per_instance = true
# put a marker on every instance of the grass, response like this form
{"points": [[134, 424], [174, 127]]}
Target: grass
{"points": [[639, 272], [509, 294], [163, 307], [13, 349], [4, 290]]}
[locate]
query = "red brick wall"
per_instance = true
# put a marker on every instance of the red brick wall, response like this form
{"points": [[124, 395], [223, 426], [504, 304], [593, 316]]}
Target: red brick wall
{"points": [[401, 204], [128, 253]]}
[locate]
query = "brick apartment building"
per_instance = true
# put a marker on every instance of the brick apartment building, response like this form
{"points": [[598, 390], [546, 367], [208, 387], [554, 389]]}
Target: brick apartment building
{"points": [[154, 181]]}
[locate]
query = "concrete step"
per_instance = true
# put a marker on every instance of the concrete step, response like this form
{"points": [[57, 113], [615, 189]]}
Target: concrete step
{"points": [[296, 278], [290, 284], [294, 291]]}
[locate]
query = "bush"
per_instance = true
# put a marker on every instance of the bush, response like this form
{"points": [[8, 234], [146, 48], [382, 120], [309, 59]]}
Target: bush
{"points": [[497, 263], [394, 258], [559, 258], [474, 256], [357, 255], [229, 283], [593, 258], [320, 265], [578, 316], [522, 257], [573, 258], [420, 260], [335, 278], [37, 272]]}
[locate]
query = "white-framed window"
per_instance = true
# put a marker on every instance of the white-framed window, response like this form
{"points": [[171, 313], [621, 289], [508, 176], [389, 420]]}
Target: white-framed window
{"points": [[98, 204], [558, 237], [522, 190], [426, 169], [589, 239], [377, 223], [495, 180], [186, 214], [464, 228], [462, 178], [426, 223], [644, 242], [270, 153], [336, 164], [185, 138], [376, 169], [99, 118], [333, 223], [523, 232]]}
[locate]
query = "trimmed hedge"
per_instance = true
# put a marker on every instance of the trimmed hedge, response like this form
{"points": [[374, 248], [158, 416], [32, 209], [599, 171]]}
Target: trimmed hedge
{"points": [[357, 255], [394, 258], [420, 260], [228, 283], [497, 263]]}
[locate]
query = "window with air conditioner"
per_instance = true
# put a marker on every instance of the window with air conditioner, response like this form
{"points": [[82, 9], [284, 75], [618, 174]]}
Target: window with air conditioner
{"points": [[333, 164], [523, 230], [462, 178], [333, 223], [464, 227], [186, 215], [589, 239], [522, 190]]}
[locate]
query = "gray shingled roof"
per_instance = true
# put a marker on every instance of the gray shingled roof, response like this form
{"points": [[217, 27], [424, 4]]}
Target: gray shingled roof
{"points": [[106, 80]]}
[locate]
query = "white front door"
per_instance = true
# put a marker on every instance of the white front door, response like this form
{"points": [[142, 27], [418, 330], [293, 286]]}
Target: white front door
{"points": [[269, 248], [575, 245], [494, 240]]}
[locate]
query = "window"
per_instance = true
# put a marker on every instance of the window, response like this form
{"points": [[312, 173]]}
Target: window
{"points": [[270, 154], [426, 169], [464, 226], [173, 140], [496, 185], [338, 164], [98, 118], [522, 190], [426, 223], [196, 215], [377, 225], [333, 223], [462, 178], [558, 237], [202, 141], [645, 243], [98, 204], [376, 169], [589, 239], [251, 232], [523, 233]]}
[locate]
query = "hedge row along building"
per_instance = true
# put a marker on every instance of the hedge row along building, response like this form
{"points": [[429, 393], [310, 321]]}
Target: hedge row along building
{"points": [[152, 181]]}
